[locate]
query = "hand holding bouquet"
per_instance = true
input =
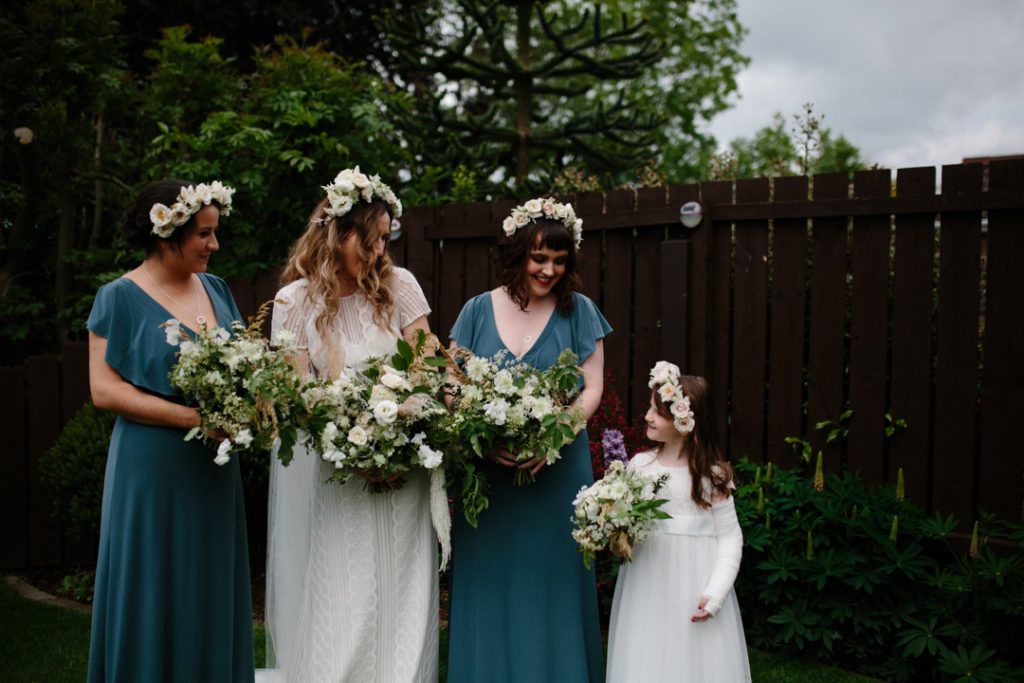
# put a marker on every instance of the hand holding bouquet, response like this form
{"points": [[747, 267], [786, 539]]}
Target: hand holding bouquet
{"points": [[384, 420], [499, 402], [616, 512], [241, 384]]}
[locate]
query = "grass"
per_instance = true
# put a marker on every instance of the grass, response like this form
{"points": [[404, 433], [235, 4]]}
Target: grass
{"points": [[48, 644]]}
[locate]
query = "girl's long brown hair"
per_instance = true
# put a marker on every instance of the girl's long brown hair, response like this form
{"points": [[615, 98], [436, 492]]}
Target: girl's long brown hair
{"points": [[705, 453], [317, 256]]}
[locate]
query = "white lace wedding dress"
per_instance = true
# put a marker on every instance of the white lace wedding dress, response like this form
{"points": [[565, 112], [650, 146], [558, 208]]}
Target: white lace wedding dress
{"points": [[352, 591]]}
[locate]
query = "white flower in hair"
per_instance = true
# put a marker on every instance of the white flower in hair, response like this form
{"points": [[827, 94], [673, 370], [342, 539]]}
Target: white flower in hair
{"points": [[665, 380], [544, 207], [190, 200], [351, 186]]}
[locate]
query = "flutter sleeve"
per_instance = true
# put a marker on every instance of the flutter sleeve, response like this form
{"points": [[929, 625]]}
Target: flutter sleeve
{"points": [[409, 299], [137, 347], [588, 325], [463, 332], [291, 312]]}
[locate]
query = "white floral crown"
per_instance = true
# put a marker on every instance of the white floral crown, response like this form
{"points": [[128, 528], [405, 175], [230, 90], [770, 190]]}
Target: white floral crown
{"points": [[544, 207], [351, 185], [166, 219], [665, 380]]}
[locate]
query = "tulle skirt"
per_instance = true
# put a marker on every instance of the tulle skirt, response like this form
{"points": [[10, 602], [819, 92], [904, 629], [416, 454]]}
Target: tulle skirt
{"points": [[651, 636]]}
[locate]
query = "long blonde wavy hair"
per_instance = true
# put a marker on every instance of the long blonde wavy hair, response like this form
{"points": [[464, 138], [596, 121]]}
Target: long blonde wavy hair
{"points": [[317, 256]]}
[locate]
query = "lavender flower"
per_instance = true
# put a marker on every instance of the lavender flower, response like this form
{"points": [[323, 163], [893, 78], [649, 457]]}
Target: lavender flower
{"points": [[614, 447]]}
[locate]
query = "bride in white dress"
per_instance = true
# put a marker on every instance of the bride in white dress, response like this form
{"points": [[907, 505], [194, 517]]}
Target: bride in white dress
{"points": [[352, 590]]}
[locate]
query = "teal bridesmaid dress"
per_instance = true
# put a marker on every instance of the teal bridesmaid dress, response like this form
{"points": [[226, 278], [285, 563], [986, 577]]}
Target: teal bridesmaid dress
{"points": [[523, 607], [172, 600]]}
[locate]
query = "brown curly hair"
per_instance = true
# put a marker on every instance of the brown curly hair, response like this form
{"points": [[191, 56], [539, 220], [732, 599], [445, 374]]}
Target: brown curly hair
{"points": [[705, 453], [513, 251]]}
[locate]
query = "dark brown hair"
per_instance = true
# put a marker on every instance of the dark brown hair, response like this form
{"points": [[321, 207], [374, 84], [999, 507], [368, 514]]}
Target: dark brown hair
{"points": [[137, 225], [705, 453], [513, 251]]}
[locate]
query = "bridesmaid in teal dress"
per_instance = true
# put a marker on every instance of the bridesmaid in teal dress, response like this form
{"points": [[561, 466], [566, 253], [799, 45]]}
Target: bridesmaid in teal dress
{"points": [[172, 600], [523, 606]]}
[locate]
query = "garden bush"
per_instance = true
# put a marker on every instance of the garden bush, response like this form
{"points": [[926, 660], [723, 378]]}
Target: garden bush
{"points": [[73, 470], [862, 577]]}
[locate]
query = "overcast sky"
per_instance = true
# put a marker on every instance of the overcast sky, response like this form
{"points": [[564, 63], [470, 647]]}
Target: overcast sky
{"points": [[909, 82]]}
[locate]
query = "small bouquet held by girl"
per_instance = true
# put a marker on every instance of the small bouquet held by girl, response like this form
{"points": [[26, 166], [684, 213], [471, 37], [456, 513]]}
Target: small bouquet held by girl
{"points": [[382, 421], [241, 384], [618, 510], [501, 402]]}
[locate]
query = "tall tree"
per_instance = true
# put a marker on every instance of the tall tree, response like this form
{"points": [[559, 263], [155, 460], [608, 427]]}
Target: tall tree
{"points": [[518, 86], [806, 148], [692, 80]]}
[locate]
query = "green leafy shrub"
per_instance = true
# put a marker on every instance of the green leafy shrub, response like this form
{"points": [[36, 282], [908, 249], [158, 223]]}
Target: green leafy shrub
{"points": [[73, 469], [861, 577], [79, 586]]}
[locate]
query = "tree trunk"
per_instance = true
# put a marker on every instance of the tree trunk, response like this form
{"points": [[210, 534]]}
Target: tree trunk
{"points": [[97, 167], [65, 237], [524, 91]]}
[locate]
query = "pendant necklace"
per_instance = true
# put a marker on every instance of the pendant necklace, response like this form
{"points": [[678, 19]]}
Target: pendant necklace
{"points": [[200, 318]]}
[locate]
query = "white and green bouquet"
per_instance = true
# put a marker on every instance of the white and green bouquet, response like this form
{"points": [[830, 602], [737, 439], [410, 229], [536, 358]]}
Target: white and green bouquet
{"points": [[616, 512], [384, 420], [241, 384], [501, 402]]}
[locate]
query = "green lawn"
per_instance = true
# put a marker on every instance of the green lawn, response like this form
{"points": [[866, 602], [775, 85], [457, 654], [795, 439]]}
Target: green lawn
{"points": [[50, 644]]}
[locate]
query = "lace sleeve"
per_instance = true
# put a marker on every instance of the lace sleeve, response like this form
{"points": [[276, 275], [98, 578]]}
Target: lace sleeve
{"points": [[410, 303], [290, 313]]}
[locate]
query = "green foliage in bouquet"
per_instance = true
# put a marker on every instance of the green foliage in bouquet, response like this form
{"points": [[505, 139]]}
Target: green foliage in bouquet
{"points": [[861, 577], [502, 402], [617, 512], [385, 420], [241, 384], [73, 469]]}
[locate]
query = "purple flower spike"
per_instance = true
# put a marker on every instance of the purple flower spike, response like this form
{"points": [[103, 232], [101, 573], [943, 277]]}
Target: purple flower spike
{"points": [[614, 447]]}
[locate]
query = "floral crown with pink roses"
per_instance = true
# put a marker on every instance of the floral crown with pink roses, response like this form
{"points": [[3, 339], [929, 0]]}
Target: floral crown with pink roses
{"points": [[665, 380], [352, 185], [544, 207], [166, 219]]}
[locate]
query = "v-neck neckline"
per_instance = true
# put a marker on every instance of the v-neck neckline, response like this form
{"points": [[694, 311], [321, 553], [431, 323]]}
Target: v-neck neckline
{"points": [[171, 315], [536, 342]]}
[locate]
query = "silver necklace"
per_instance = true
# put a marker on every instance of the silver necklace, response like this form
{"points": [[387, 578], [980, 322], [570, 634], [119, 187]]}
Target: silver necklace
{"points": [[200, 318]]}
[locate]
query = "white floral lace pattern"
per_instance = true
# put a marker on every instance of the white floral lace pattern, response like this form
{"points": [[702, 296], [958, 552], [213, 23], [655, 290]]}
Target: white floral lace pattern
{"points": [[366, 587]]}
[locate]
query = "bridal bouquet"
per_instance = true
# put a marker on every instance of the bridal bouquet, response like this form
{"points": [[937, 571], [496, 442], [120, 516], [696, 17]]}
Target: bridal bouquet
{"points": [[384, 420], [503, 402], [616, 512], [241, 384]]}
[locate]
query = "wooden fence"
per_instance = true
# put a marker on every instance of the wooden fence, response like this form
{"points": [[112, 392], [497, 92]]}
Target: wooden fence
{"points": [[797, 298]]}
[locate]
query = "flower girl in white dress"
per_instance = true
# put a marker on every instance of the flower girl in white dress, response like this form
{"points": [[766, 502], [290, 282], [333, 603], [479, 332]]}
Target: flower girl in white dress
{"points": [[675, 615]]}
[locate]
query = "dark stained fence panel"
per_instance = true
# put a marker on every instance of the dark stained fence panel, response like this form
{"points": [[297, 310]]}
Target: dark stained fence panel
{"points": [[869, 331], [787, 329], [719, 305], [1002, 392], [43, 408], [750, 317], [419, 258], [956, 389], [646, 305], [912, 325], [825, 372], [591, 249], [13, 471], [618, 281]]}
